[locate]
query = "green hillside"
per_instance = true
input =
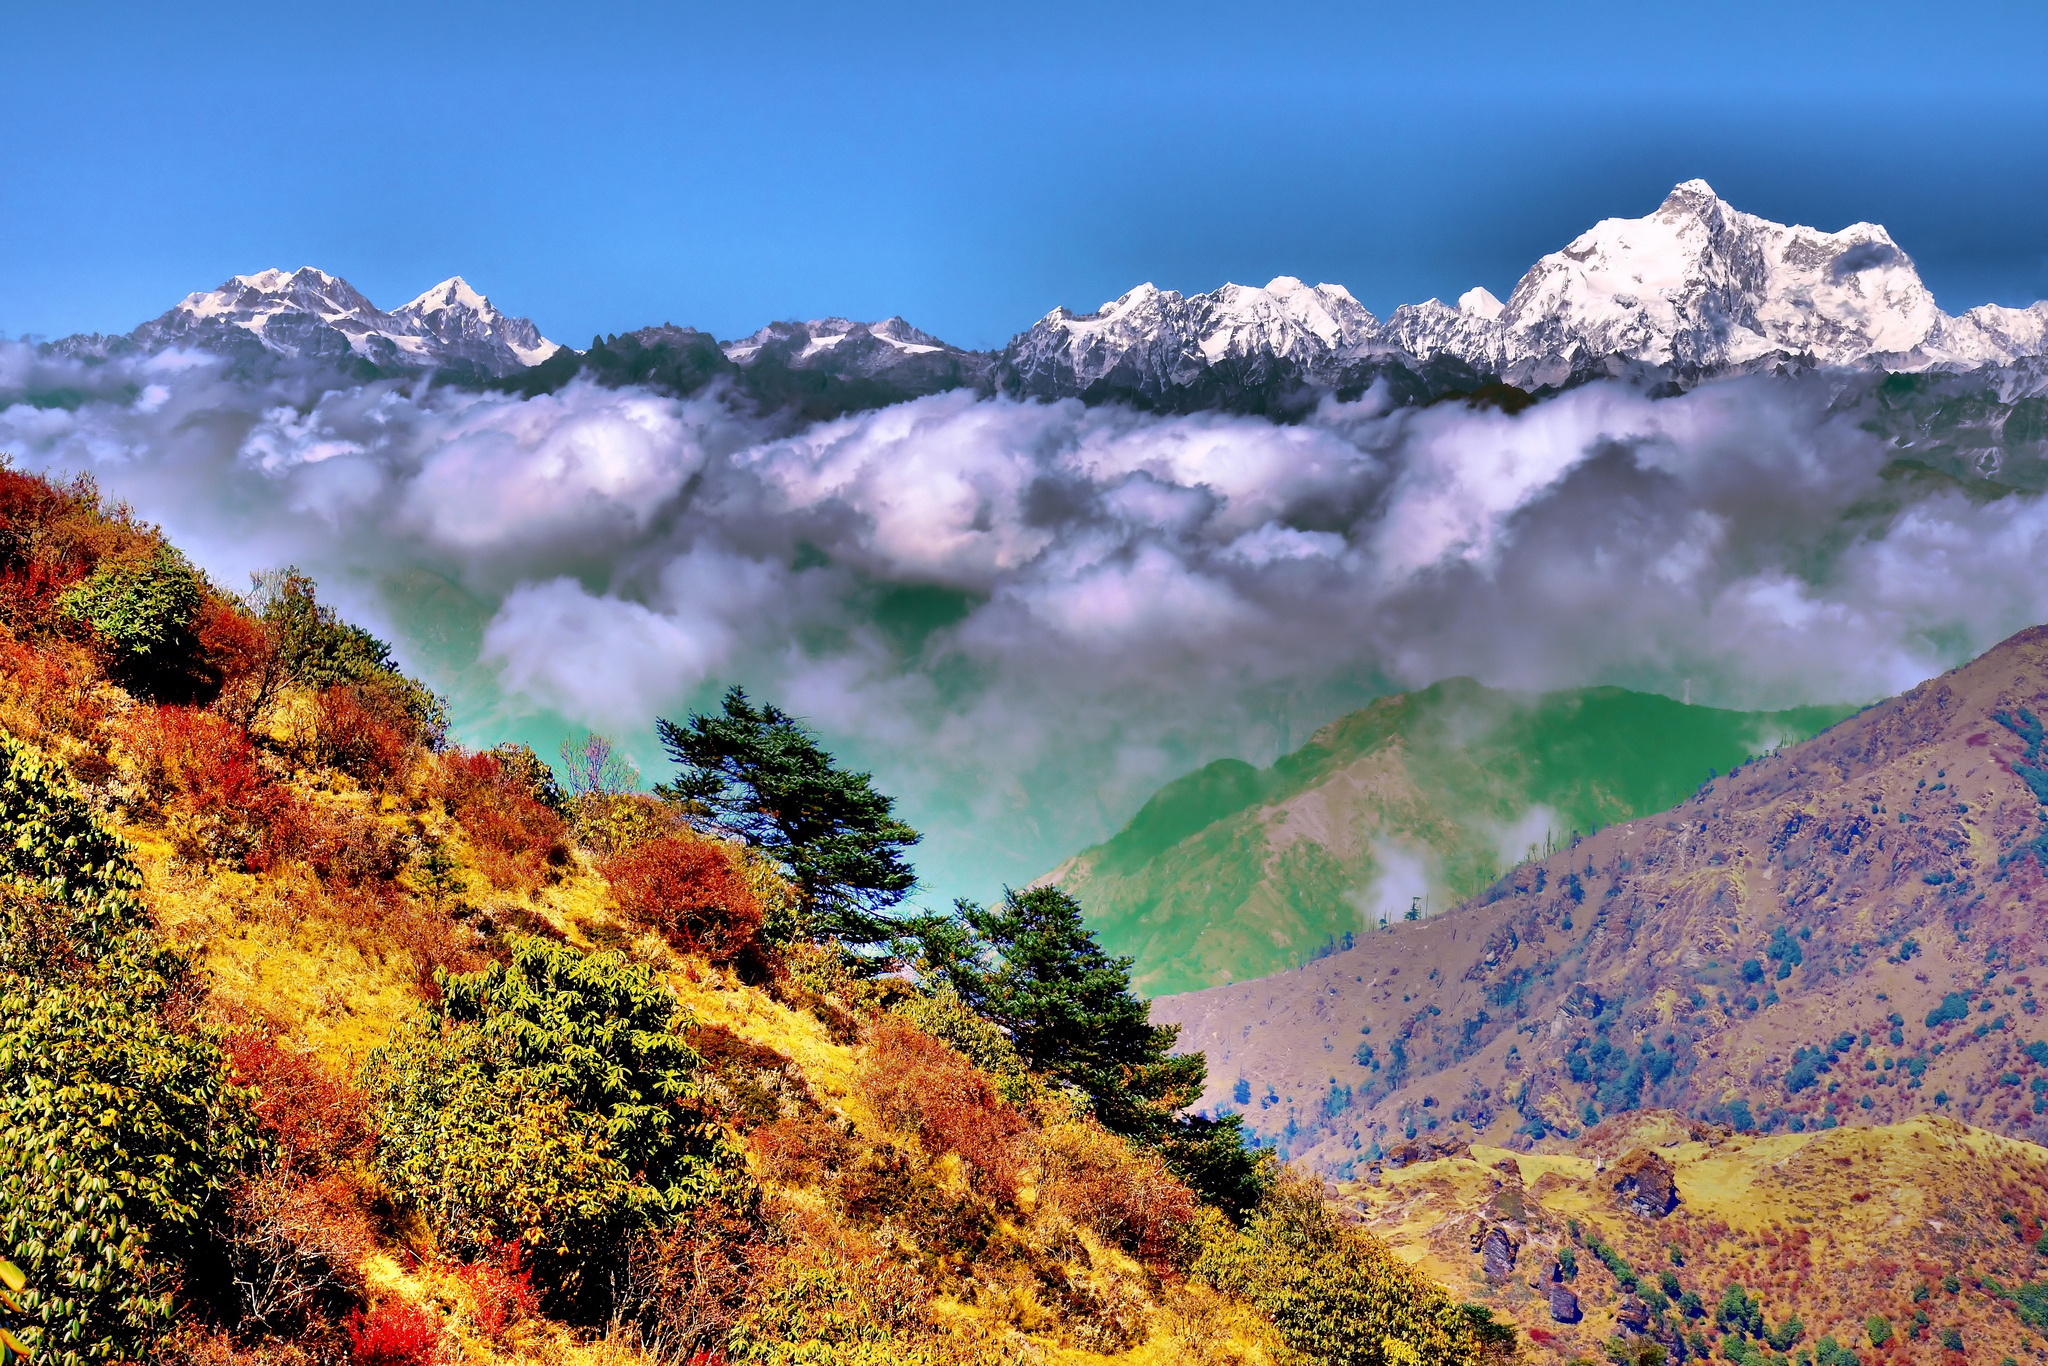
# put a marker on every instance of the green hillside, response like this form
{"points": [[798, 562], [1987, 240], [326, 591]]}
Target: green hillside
{"points": [[1234, 872]]}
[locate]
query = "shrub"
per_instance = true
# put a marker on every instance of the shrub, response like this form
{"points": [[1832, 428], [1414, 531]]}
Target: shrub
{"points": [[395, 1333], [548, 1100], [118, 1134], [820, 1306], [296, 1249], [691, 1282], [917, 1084], [316, 1119], [500, 1289], [218, 802], [364, 742], [516, 834], [142, 610], [944, 1016], [690, 888], [1336, 1294], [54, 691], [800, 1150], [1123, 1193]]}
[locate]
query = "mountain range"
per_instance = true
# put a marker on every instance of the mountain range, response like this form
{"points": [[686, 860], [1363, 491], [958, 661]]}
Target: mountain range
{"points": [[1234, 872], [1844, 930], [1695, 290]]}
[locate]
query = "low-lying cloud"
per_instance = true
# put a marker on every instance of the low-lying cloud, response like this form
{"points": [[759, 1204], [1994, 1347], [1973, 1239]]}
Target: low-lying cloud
{"points": [[1025, 616]]}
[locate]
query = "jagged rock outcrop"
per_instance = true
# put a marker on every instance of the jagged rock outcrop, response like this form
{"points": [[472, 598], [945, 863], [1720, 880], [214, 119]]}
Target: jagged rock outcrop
{"points": [[1643, 1184]]}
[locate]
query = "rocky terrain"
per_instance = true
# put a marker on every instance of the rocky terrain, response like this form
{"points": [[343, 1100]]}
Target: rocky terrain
{"points": [[1881, 1240]]}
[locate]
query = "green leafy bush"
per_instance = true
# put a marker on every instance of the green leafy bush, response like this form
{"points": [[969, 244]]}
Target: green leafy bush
{"points": [[1336, 1294], [118, 1133], [548, 1100], [141, 609]]}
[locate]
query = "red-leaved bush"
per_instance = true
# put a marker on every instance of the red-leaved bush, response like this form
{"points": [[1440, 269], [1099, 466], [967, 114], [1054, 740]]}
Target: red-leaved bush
{"points": [[1123, 1193], [500, 1289], [691, 889], [219, 802], [317, 1118], [395, 1333], [350, 736], [916, 1083], [517, 838]]}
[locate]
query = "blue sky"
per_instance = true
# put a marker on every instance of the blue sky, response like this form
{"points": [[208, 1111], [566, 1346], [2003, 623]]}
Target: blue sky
{"points": [[601, 167]]}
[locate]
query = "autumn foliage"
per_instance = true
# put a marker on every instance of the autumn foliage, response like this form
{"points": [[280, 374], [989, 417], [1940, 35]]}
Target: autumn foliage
{"points": [[517, 838], [315, 1118], [690, 888], [919, 1085], [204, 774], [1123, 1193], [394, 1333]]}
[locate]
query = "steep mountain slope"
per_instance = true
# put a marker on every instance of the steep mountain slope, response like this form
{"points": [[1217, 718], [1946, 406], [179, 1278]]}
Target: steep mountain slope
{"points": [[1840, 932], [324, 1040], [1232, 873], [1830, 1228]]}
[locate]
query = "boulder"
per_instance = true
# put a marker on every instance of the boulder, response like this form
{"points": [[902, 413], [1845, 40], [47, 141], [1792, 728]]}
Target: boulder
{"points": [[1564, 1305], [1643, 1184], [1632, 1314], [1497, 1254]]}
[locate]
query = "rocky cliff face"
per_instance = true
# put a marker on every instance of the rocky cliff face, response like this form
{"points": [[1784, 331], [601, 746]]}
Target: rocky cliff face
{"points": [[1844, 932]]}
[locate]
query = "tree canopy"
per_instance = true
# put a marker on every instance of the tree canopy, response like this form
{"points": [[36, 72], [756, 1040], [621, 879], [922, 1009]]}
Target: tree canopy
{"points": [[759, 773]]}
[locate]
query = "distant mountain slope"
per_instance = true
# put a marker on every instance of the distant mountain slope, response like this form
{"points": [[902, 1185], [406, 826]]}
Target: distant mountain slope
{"points": [[1233, 872], [1826, 1228], [1842, 932]]}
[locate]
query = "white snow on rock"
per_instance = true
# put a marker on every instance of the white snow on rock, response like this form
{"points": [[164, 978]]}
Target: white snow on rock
{"points": [[308, 313], [1697, 286]]}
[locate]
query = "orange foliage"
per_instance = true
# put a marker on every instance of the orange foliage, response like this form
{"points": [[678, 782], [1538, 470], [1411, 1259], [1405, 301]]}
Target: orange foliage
{"points": [[916, 1083], [37, 561], [516, 837], [316, 1118], [55, 687], [692, 889], [240, 652], [222, 804], [351, 737], [1123, 1193], [500, 1289]]}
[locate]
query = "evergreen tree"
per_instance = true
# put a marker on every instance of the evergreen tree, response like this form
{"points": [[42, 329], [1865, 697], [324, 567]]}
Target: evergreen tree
{"points": [[1033, 967], [758, 773]]}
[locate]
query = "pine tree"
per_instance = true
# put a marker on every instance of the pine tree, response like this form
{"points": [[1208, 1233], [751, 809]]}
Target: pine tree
{"points": [[758, 773]]}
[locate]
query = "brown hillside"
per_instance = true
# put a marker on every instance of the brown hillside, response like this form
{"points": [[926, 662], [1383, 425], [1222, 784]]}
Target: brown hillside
{"points": [[1828, 1227], [1885, 873]]}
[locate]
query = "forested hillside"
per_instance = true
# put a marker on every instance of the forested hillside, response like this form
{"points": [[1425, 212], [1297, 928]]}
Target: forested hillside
{"points": [[328, 1040]]}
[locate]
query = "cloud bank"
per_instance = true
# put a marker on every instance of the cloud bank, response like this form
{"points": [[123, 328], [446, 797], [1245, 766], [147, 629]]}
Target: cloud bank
{"points": [[1025, 616]]}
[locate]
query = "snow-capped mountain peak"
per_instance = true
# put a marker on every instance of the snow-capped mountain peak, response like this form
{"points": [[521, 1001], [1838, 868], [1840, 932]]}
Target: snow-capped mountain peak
{"points": [[465, 324], [1696, 287], [308, 314], [1480, 303]]}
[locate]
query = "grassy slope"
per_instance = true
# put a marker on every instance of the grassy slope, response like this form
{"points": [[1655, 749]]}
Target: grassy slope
{"points": [[1233, 872], [1834, 1226]]}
